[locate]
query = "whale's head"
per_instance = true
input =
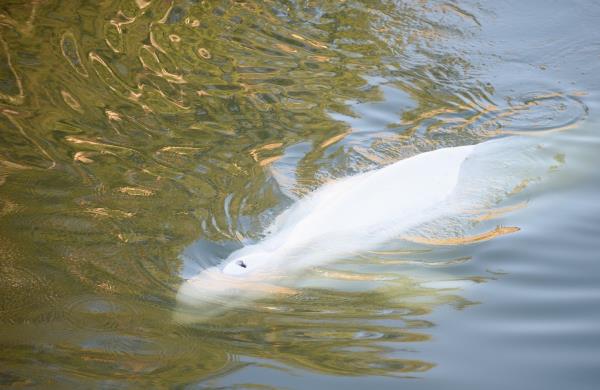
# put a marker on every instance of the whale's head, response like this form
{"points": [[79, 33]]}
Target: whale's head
{"points": [[243, 275], [248, 274]]}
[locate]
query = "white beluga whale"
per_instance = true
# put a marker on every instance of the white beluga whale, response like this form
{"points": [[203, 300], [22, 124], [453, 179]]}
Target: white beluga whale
{"points": [[362, 212], [353, 214]]}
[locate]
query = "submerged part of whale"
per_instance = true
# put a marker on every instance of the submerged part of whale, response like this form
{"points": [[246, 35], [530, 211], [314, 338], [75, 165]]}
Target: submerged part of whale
{"points": [[362, 212]]}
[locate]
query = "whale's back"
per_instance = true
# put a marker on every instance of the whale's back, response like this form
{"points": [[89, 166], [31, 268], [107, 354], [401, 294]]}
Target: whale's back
{"points": [[373, 206]]}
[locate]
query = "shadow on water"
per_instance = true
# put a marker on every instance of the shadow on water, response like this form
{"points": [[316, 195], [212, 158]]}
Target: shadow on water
{"points": [[132, 130]]}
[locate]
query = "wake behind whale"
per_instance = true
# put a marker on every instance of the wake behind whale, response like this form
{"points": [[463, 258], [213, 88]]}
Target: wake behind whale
{"points": [[362, 212]]}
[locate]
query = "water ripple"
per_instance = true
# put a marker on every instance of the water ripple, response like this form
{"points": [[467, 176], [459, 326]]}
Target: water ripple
{"points": [[143, 141]]}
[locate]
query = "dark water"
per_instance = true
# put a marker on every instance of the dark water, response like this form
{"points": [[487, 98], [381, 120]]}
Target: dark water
{"points": [[142, 141]]}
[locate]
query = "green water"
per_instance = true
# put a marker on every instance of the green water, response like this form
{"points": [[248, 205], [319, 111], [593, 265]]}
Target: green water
{"points": [[143, 141]]}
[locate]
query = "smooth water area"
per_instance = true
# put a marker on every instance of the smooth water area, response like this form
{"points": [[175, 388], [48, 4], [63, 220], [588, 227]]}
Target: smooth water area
{"points": [[142, 142]]}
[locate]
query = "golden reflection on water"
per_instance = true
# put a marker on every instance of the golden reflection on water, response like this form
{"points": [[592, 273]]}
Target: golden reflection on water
{"points": [[497, 232], [130, 129], [339, 332]]}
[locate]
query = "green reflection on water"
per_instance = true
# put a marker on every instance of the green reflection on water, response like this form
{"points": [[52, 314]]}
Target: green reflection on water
{"points": [[132, 128]]}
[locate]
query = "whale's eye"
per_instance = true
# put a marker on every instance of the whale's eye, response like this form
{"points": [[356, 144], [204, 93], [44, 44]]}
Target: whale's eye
{"points": [[241, 263]]}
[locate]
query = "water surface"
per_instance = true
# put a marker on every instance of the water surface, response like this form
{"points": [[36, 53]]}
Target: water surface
{"points": [[143, 141]]}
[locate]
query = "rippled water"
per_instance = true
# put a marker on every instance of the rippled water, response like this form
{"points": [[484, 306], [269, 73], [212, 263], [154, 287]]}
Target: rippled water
{"points": [[143, 141]]}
